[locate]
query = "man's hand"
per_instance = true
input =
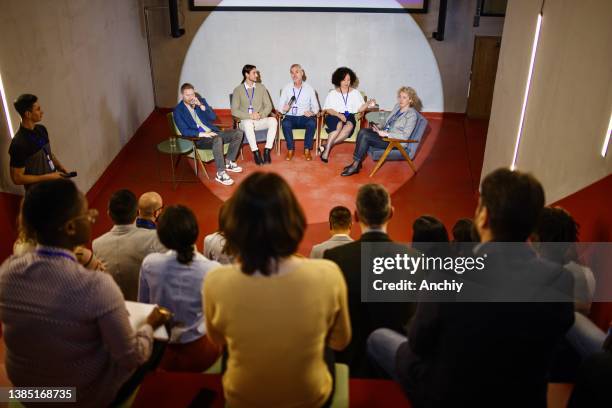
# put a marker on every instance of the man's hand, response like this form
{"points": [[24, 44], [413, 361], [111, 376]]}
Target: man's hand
{"points": [[285, 108], [255, 116], [207, 134], [308, 114], [196, 102]]}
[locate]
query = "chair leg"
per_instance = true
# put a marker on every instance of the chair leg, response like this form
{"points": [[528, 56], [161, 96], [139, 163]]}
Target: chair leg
{"points": [[203, 167], [405, 154], [382, 158]]}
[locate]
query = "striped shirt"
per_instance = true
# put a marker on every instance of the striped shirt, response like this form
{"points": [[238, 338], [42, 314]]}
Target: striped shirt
{"points": [[67, 326]]}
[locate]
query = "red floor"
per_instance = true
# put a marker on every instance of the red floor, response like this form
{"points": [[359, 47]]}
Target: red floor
{"points": [[445, 186]]}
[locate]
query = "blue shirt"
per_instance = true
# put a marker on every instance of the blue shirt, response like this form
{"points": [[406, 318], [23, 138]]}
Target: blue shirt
{"points": [[177, 287], [146, 224]]}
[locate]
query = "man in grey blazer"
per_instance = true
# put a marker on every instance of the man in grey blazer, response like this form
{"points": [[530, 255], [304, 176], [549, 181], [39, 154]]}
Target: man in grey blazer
{"points": [[340, 223], [124, 247]]}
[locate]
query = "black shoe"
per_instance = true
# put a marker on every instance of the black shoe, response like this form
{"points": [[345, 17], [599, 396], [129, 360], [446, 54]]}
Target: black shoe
{"points": [[321, 151], [267, 159], [257, 158], [352, 169]]}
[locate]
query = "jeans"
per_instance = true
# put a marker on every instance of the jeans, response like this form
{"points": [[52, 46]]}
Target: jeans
{"points": [[585, 336], [233, 137], [299, 122], [382, 346], [366, 138]]}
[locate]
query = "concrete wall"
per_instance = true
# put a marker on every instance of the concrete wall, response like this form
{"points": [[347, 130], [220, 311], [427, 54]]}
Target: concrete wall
{"points": [[570, 100], [453, 55], [87, 62]]}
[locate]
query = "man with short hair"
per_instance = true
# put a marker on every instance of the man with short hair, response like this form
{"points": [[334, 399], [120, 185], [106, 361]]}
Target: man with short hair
{"points": [[463, 353], [374, 210], [150, 206], [300, 107], [32, 160], [194, 118], [251, 104], [340, 223], [124, 247]]}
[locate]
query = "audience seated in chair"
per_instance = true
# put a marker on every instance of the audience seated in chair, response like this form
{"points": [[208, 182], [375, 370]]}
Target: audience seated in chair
{"points": [[124, 247], [65, 326], [465, 237], [150, 207], [374, 210], [471, 354], [174, 280], [429, 236], [340, 223], [214, 244], [275, 311]]}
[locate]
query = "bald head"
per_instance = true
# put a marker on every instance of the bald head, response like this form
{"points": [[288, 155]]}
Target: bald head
{"points": [[149, 205]]}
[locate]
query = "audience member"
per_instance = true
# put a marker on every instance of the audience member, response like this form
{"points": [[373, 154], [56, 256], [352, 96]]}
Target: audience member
{"points": [[150, 207], [340, 223], [374, 210], [124, 247], [194, 117], [463, 354], [555, 237], [465, 237], [174, 280], [80, 314], [251, 104], [214, 244], [275, 311], [32, 160], [429, 236]]}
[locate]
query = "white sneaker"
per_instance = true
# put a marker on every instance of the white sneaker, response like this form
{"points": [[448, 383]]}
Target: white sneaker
{"points": [[233, 167], [224, 179]]}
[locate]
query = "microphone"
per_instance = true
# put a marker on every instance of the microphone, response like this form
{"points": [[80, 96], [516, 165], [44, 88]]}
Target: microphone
{"points": [[291, 100]]}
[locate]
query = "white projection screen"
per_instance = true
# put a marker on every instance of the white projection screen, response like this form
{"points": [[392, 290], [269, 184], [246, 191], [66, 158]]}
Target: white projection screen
{"points": [[360, 6]]}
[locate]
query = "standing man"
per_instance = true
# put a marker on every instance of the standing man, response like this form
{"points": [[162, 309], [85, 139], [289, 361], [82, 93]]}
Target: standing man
{"points": [[300, 106], [194, 118], [251, 104], [31, 158]]}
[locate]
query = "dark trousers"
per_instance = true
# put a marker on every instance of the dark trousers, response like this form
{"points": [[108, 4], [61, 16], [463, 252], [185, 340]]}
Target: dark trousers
{"points": [[299, 122], [366, 138], [233, 137]]}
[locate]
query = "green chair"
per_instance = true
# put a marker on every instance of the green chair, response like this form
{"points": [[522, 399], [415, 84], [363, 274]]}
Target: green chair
{"points": [[322, 131], [198, 155]]}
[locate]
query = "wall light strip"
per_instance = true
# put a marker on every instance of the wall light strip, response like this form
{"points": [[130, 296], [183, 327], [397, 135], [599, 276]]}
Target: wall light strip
{"points": [[604, 149], [6, 108], [534, 49]]}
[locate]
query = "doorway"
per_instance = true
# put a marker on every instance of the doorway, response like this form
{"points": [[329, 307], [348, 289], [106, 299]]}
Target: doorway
{"points": [[482, 78]]}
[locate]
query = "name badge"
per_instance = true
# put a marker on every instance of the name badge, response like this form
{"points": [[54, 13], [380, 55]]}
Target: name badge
{"points": [[294, 110], [250, 109], [347, 114]]}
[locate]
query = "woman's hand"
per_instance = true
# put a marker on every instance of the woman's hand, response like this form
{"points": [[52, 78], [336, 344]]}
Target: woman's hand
{"points": [[342, 117], [158, 317]]}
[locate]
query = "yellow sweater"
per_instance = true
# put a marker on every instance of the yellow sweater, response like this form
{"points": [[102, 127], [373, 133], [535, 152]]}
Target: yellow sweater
{"points": [[275, 328]]}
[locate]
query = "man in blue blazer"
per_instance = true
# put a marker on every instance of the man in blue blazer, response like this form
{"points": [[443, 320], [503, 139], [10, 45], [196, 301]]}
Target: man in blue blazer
{"points": [[194, 118]]}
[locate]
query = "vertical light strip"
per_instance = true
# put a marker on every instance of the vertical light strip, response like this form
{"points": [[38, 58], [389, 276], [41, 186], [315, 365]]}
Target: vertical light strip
{"points": [[604, 149], [534, 49], [6, 108]]}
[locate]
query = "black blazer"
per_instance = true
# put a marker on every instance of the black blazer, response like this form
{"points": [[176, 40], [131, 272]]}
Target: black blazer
{"points": [[367, 317], [485, 354]]}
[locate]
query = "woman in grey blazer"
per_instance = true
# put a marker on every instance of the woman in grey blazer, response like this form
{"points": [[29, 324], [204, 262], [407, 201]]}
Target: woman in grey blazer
{"points": [[399, 125]]}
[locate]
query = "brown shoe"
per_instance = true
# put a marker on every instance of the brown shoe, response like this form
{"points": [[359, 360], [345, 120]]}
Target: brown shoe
{"points": [[290, 154], [307, 155]]}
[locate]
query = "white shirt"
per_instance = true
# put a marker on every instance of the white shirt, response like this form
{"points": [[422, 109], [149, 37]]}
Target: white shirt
{"points": [[306, 99], [336, 101]]}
